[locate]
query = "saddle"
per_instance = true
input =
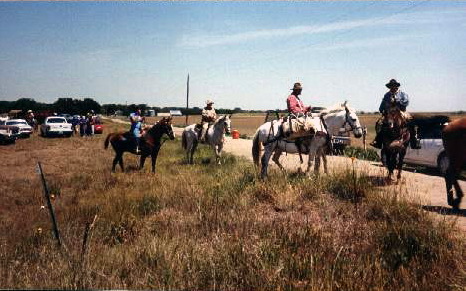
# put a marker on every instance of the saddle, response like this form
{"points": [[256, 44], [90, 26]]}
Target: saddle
{"points": [[294, 128]]}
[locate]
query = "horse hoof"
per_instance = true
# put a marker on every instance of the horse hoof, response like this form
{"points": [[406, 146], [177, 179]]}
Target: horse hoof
{"points": [[456, 204], [450, 199]]}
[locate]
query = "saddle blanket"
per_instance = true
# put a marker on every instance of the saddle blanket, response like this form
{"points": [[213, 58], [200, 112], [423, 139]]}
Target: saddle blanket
{"points": [[294, 128]]}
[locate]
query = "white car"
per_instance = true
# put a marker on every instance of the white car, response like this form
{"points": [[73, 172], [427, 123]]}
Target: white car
{"points": [[56, 126], [431, 154], [25, 130]]}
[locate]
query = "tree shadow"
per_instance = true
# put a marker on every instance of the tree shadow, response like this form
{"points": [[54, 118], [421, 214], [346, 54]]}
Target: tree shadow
{"points": [[423, 170], [445, 210]]}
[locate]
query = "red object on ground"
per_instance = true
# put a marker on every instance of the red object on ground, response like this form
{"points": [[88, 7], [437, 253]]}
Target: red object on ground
{"points": [[98, 128]]}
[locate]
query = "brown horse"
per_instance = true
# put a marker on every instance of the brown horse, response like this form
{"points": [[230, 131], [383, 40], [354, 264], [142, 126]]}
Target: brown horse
{"points": [[150, 143], [454, 142], [396, 138]]}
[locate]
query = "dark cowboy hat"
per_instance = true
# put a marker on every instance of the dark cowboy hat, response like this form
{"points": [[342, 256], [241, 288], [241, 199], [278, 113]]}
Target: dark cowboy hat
{"points": [[297, 86], [393, 83]]}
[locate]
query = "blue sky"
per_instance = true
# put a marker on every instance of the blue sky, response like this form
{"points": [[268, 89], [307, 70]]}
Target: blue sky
{"points": [[240, 54]]}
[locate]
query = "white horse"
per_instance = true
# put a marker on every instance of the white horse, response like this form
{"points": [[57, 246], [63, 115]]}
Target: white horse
{"points": [[327, 123], [215, 137]]}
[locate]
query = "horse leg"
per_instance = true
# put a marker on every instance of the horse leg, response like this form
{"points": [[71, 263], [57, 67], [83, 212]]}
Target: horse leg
{"points": [[391, 162], [312, 156], [324, 159], [399, 167], [142, 160], [320, 155], [191, 149], [154, 155], [276, 159], [315, 145], [268, 149], [451, 180], [218, 153], [459, 194], [115, 162], [118, 159]]}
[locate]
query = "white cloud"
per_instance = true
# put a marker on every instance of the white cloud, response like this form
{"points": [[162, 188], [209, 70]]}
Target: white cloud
{"points": [[368, 43], [424, 17]]}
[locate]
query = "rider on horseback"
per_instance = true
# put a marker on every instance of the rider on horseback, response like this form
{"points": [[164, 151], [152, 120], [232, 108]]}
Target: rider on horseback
{"points": [[208, 116], [294, 103], [296, 112], [136, 127], [395, 98]]}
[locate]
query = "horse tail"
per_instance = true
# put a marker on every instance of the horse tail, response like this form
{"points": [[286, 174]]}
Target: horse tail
{"points": [[256, 148], [184, 142], [107, 140]]}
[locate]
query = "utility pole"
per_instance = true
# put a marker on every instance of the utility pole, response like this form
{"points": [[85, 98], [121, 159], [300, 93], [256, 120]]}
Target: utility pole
{"points": [[187, 99]]}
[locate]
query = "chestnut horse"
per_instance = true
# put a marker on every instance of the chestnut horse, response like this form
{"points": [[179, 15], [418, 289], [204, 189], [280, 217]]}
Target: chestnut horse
{"points": [[395, 140], [454, 142], [149, 144]]}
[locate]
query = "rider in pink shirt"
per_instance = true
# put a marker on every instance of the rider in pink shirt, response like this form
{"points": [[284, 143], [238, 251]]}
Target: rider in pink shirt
{"points": [[295, 105]]}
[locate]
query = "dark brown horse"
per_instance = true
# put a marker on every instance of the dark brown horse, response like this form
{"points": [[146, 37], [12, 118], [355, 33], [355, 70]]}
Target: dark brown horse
{"points": [[150, 143], [396, 138], [454, 142]]}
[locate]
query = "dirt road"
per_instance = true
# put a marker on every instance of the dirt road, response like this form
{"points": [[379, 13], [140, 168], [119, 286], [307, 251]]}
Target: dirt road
{"points": [[427, 190]]}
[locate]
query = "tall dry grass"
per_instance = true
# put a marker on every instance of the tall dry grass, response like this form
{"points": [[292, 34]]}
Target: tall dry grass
{"points": [[205, 226]]}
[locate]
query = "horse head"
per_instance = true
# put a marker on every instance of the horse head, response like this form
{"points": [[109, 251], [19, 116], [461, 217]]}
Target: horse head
{"points": [[225, 123], [166, 127], [352, 120], [394, 118]]}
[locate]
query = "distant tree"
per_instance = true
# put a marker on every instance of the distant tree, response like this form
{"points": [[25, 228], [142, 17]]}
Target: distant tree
{"points": [[65, 105], [25, 104]]}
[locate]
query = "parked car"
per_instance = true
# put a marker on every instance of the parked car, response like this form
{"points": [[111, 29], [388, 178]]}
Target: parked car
{"points": [[25, 130], [67, 116], [8, 134], [431, 154], [56, 126]]}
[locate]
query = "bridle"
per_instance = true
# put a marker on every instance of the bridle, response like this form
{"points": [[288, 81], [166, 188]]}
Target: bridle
{"points": [[349, 121], [224, 124]]}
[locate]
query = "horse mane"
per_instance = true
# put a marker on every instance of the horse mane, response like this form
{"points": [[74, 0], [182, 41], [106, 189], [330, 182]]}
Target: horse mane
{"points": [[337, 107]]}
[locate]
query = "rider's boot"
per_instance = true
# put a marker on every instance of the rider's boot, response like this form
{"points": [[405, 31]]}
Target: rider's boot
{"points": [[202, 139]]}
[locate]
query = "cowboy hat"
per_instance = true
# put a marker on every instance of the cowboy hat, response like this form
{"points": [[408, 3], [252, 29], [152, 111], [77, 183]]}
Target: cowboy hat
{"points": [[393, 83], [208, 101], [297, 86]]}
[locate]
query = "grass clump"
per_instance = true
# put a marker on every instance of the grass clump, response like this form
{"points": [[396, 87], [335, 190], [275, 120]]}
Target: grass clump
{"points": [[368, 154]]}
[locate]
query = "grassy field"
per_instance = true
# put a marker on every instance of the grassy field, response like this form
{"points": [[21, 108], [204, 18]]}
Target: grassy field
{"points": [[212, 227]]}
